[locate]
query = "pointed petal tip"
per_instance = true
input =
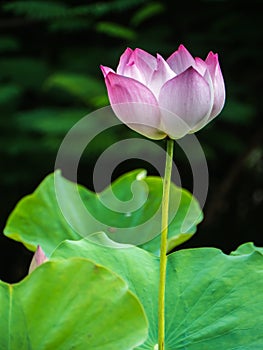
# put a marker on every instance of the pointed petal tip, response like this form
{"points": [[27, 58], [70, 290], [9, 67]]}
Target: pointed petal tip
{"points": [[191, 70], [138, 50], [180, 60], [126, 54], [214, 54], [211, 57], [106, 70], [40, 255], [181, 47], [159, 57], [109, 78], [38, 258]]}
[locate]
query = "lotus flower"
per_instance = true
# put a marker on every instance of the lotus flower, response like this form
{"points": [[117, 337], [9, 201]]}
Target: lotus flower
{"points": [[159, 98]]}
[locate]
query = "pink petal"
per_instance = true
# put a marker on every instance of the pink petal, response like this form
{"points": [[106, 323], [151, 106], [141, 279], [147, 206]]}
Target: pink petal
{"points": [[174, 126], [149, 59], [180, 60], [124, 59], [218, 83], [188, 96], [38, 258], [135, 105], [200, 66], [105, 70], [137, 64], [160, 75], [127, 66], [211, 62], [145, 62], [205, 120]]}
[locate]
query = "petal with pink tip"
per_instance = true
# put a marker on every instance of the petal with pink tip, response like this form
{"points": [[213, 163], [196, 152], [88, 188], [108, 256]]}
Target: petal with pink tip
{"points": [[200, 66], [205, 120], [211, 61], [188, 96], [124, 59], [180, 60], [137, 64], [161, 75], [145, 62], [129, 68], [105, 70], [218, 83], [135, 105], [145, 57], [38, 258]]}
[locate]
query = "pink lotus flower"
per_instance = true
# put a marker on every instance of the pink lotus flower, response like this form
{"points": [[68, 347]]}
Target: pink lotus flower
{"points": [[158, 98]]}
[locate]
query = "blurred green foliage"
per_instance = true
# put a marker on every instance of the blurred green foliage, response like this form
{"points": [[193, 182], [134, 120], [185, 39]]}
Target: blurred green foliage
{"points": [[50, 78]]}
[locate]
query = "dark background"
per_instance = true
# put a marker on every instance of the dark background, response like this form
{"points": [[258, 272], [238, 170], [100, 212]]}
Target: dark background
{"points": [[50, 78]]}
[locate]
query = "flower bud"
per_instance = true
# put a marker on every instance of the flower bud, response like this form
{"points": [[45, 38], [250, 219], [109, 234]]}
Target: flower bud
{"points": [[38, 258]]}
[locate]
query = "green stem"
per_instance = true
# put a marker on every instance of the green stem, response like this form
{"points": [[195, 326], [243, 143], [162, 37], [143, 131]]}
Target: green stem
{"points": [[163, 248]]}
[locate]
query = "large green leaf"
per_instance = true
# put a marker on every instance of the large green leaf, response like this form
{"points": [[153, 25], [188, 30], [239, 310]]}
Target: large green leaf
{"points": [[58, 307], [214, 301], [128, 212]]}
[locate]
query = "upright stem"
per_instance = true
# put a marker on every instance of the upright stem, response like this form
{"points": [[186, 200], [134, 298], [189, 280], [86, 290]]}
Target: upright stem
{"points": [[163, 248]]}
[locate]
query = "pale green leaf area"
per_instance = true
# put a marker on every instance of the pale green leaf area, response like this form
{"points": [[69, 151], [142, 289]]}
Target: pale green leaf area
{"points": [[247, 248], [86, 88], [48, 10], [128, 212], [70, 304], [37, 9], [214, 301], [116, 30], [147, 12]]}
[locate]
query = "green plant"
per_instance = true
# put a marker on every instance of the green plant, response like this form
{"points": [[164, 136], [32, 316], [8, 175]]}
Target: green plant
{"points": [[105, 289]]}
